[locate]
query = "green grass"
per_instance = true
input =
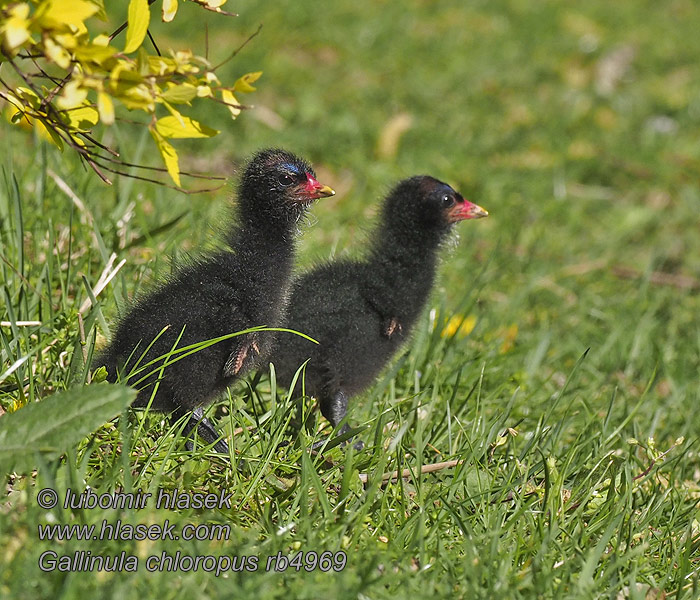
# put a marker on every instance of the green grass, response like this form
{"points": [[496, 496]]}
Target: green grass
{"points": [[572, 404]]}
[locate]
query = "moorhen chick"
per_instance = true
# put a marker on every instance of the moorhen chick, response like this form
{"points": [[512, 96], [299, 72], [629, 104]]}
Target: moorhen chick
{"points": [[362, 311], [243, 286]]}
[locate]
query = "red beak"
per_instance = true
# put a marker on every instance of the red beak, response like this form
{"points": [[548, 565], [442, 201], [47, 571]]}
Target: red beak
{"points": [[314, 189], [466, 210]]}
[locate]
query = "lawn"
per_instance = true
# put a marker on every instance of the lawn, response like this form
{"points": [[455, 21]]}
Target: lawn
{"points": [[555, 369]]}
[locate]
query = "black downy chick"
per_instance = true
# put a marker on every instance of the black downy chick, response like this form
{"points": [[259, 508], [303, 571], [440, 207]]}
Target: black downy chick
{"points": [[362, 311], [241, 287]]}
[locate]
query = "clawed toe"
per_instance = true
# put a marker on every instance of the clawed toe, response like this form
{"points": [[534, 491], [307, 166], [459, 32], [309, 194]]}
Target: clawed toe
{"points": [[205, 430]]}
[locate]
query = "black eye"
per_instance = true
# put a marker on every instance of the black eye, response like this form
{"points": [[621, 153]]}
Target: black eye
{"points": [[285, 179], [447, 200]]}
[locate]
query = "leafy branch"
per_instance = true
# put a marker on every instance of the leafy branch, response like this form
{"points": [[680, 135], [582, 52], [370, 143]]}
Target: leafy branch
{"points": [[78, 80]]}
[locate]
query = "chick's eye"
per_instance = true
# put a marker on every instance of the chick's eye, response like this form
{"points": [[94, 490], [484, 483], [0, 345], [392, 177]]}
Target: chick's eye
{"points": [[285, 179], [447, 200]]}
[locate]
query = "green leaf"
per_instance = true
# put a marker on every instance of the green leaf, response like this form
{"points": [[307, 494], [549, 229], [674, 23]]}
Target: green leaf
{"points": [[95, 53], [168, 154], [243, 84], [138, 19], [179, 94], [57, 423], [172, 127], [83, 117]]}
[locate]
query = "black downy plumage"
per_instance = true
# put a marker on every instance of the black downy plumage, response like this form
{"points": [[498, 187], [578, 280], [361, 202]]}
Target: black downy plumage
{"points": [[238, 288], [362, 311]]}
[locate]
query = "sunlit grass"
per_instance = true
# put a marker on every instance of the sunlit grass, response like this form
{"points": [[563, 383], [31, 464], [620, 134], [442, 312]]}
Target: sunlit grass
{"points": [[558, 360]]}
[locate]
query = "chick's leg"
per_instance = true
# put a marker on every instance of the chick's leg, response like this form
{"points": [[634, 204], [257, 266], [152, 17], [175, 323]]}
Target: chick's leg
{"points": [[205, 430], [335, 407]]}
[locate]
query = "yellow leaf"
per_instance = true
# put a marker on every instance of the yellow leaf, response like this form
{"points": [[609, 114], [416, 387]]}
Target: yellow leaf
{"points": [[15, 114], [172, 127], [56, 14], [138, 19], [73, 95], [174, 112], [15, 30], [101, 40], [124, 72], [105, 106], [169, 156], [243, 84], [231, 101], [67, 40], [169, 10], [160, 65], [212, 3], [56, 53], [19, 117], [47, 132], [134, 96], [95, 53], [179, 94], [183, 62], [83, 117], [77, 140], [28, 96]]}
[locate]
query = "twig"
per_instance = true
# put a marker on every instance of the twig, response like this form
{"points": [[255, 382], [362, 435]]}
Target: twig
{"points": [[237, 50], [59, 86], [159, 169], [684, 282], [118, 30], [217, 10], [44, 73], [148, 179], [93, 165], [364, 477], [238, 106], [583, 268], [57, 125], [98, 144], [150, 37]]}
